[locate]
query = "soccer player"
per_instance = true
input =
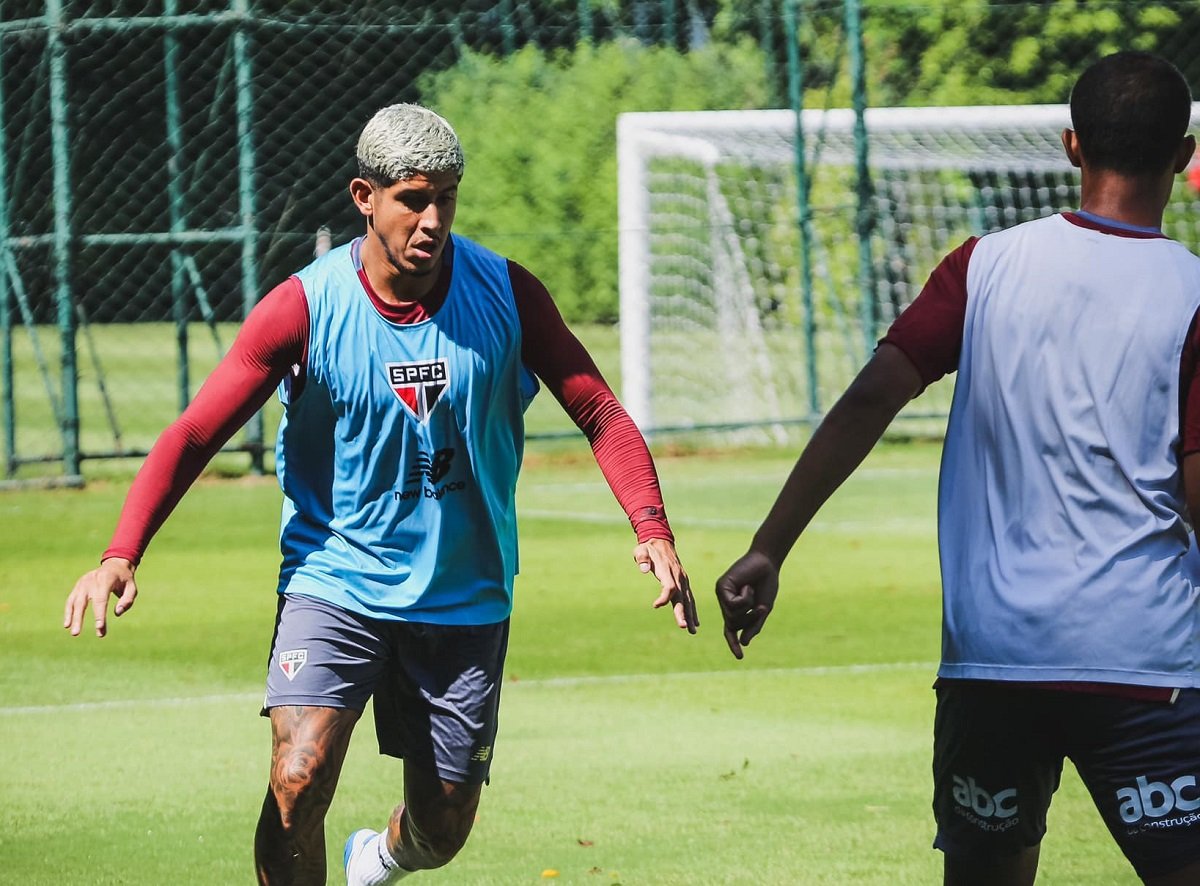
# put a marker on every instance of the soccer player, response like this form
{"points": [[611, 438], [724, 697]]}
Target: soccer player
{"points": [[405, 360], [1070, 482]]}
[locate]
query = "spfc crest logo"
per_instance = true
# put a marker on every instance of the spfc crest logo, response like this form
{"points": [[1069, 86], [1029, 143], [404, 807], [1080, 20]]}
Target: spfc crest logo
{"points": [[292, 661], [419, 385]]}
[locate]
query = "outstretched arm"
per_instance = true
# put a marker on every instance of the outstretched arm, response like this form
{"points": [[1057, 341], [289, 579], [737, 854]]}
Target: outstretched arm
{"points": [[923, 345], [747, 590], [272, 339], [551, 351]]}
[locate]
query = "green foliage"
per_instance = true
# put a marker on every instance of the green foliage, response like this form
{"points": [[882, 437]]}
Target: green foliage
{"points": [[979, 52], [539, 125], [540, 135]]}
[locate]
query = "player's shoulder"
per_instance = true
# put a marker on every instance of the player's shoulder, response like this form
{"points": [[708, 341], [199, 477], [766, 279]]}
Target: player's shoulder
{"points": [[338, 257], [345, 251], [522, 280], [1036, 228], [1061, 232], [1182, 253], [1186, 264], [473, 249], [337, 266], [991, 247]]}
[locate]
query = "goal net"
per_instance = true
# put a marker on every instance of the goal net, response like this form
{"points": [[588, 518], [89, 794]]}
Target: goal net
{"points": [[719, 330]]}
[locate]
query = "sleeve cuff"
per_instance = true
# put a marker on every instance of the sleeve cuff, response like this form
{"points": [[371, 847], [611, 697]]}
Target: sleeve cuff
{"points": [[651, 522], [132, 556]]}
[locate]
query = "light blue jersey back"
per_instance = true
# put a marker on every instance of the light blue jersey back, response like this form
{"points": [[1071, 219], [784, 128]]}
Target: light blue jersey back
{"points": [[398, 460], [1065, 545]]}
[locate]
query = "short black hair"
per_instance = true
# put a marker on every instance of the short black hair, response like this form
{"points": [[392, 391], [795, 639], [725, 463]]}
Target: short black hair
{"points": [[1131, 110]]}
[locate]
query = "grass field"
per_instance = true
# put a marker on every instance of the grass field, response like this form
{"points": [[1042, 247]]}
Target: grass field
{"points": [[628, 753]]}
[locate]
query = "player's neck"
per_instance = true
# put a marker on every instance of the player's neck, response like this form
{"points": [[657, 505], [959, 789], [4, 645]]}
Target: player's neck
{"points": [[392, 285], [1133, 201]]}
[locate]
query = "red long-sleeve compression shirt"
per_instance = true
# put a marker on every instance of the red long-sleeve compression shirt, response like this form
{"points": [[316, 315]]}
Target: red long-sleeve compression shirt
{"points": [[273, 342]]}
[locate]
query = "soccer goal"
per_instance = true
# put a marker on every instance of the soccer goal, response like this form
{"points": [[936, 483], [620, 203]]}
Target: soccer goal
{"points": [[719, 330]]}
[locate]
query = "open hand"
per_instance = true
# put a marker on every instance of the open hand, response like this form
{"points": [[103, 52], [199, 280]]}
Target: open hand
{"points": [[658, 556], [114, 577]]}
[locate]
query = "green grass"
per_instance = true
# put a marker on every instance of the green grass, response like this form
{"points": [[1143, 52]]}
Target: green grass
{"points": [[629, 752]]}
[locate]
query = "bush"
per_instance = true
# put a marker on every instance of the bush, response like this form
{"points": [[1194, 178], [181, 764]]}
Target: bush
{"points": [[539, 131]]}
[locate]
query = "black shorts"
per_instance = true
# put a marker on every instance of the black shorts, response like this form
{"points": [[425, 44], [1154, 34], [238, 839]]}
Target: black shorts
{"points": [[436, 688], [998, 756]]}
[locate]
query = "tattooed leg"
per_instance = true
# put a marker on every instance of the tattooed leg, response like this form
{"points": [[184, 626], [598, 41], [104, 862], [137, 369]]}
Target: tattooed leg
{"points": [[308, 748], [434, 822]]}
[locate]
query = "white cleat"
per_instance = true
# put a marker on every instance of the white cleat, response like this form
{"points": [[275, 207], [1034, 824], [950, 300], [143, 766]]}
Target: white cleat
{"points": [[354, 847]]}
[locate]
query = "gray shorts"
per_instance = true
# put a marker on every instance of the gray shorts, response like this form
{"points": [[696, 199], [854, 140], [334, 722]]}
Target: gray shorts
{"points": [[436, 687]]}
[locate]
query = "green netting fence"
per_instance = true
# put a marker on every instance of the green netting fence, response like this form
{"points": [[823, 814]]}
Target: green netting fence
{"points": [[163, 163]]}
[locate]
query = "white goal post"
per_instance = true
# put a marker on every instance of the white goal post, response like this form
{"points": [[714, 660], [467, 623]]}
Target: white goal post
{"points": [[716, 332]]}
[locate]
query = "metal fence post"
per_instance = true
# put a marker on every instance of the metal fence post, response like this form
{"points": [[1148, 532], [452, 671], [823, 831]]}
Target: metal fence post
{"points": [[864, 217], [585, 22], [246, 207], [63, 237], [766, 42], [791, 15], [508, 32], [670, 37], [8, 414], [175, 205]]}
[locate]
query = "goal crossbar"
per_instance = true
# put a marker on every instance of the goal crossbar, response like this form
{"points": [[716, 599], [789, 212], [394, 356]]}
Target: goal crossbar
{"points": [[707, 210]]}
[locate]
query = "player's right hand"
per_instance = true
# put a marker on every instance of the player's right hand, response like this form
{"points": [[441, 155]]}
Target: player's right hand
{"points": [[114, 577], [746, 594]]}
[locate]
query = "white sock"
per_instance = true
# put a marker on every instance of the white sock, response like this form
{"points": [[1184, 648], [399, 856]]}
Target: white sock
{"points": [[374, 865]]}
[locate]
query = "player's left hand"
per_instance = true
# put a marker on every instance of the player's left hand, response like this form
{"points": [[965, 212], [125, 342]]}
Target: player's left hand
{"points": [[658, 556]]}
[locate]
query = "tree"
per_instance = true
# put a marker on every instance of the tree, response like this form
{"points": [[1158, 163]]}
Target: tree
{"points": [[981, 52], [539, 131]]}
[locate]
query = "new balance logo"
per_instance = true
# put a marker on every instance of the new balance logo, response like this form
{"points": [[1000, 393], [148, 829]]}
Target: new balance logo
{"points": [[434, 467], [1156, 799], [419, 384], [482, 754], [1002, 804]]}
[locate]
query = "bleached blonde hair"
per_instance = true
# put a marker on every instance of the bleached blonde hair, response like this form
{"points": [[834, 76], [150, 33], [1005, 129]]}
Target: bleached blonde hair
{"points": [[402, 140]]}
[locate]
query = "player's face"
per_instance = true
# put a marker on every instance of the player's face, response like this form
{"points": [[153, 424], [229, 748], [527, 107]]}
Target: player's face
{"points": [[411, 219]]}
